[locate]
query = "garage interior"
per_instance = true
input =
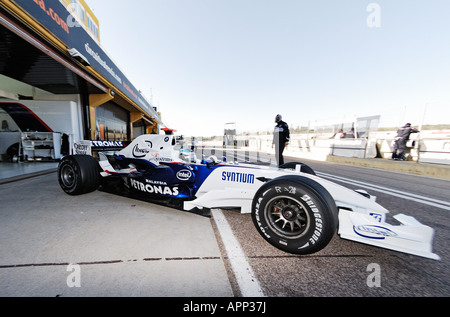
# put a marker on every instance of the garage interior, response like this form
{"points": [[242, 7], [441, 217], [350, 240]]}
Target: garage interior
{"points": [[33, 70]]}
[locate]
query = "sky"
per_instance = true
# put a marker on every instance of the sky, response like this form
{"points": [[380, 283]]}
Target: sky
{"points": [[205, 63]]}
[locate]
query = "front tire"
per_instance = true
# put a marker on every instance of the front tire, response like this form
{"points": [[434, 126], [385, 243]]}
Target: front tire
{"points": [[303, 167], [78, 174], [295, 214]]}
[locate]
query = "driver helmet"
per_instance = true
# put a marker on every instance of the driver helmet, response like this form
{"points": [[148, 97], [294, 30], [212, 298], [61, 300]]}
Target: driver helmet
{"points": [[278, 118]]}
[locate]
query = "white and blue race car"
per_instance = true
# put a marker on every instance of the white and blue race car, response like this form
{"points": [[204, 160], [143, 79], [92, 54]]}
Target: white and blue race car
{"points": [[292, 208]]}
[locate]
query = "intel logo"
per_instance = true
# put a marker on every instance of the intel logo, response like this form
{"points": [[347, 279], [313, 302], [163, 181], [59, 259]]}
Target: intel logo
{"points": [[184, 175]]}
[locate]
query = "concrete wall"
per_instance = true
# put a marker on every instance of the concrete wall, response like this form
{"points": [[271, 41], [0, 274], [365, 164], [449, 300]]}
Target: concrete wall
{"points": [[428, 146]]}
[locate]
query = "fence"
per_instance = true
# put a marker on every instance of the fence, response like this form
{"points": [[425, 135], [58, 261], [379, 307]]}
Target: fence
{"points": [[365, 137]]}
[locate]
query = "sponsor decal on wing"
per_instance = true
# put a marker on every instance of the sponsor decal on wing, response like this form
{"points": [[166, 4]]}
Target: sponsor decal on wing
{"points": [[373, 232]]}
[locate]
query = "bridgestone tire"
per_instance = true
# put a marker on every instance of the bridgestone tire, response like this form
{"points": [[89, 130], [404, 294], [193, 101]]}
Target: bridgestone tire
{"points": [[304, 168], [295, 214], [78, 174]]}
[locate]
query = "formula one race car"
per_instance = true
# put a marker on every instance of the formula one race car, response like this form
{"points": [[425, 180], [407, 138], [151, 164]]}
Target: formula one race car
{"points": [[292, 208]]}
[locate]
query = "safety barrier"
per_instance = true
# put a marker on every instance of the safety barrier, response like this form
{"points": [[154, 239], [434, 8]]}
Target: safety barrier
{"points": [[428, 146]]}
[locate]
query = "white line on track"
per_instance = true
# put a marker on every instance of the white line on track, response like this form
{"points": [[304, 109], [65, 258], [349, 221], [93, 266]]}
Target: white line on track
{"points": [[393, 192], [245, 277]]}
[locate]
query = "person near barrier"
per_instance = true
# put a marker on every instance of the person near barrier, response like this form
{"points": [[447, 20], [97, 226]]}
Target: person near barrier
{"points": [[400, 141], [281, 138]]}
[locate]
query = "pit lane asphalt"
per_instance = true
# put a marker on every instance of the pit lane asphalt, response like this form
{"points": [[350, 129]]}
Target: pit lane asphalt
{"points": [[344, 267], [127, 247], [121, 246]]}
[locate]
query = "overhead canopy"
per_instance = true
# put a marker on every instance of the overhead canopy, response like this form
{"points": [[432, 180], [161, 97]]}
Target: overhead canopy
{"points": [[86, 58], [24, 62]]}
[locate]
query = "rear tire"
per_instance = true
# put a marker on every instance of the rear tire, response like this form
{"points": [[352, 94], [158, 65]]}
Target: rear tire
{"points": [[304, 168], [295, 214], [78, 174]]}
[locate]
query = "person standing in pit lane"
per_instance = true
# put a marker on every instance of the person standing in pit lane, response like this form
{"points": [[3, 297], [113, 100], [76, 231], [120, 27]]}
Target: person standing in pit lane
{"points": [[281, 139], [400, 140]]}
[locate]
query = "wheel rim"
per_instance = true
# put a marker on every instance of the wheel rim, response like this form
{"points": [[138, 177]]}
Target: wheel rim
{"points": [[287, 217], [68, 176]]}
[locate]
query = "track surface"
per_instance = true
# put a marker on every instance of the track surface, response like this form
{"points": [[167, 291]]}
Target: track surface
{"points": [[134, 248], [345, 268]]}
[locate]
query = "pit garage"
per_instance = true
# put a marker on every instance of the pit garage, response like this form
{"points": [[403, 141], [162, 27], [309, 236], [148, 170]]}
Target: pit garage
{"points": [[58, 86]]}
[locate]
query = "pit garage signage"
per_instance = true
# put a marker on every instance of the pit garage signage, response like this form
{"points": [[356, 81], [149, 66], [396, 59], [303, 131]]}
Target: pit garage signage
{"points": [[54, 16]]}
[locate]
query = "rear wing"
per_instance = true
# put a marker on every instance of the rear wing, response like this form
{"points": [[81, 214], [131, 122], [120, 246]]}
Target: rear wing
{"points": [[154, 148]]}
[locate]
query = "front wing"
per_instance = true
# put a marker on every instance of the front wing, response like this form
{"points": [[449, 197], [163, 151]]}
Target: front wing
{"points": [[410, 237]]}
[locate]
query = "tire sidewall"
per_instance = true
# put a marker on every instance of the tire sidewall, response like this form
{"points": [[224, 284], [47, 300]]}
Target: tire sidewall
{"points": [[63, 166], [69, 163], [85, 173], [318, 204], [304, 168]]}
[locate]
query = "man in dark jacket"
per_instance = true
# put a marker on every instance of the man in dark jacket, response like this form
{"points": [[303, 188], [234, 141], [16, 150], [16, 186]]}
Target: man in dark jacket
{"points": [[281, 138], [400, 141]]}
